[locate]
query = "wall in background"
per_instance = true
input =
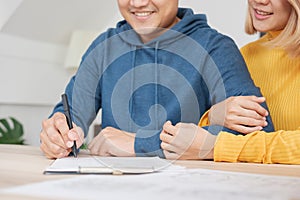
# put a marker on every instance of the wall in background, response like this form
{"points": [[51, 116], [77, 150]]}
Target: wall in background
{"points": [[30, 71], [32, 74], [32, 78], [227, 17]]}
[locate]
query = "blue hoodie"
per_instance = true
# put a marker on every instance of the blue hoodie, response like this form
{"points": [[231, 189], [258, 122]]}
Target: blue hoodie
{"points": [[176, 76]]}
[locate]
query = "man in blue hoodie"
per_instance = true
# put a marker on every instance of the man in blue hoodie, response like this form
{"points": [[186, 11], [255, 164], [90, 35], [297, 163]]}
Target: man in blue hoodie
{"points": [[161, 63]]}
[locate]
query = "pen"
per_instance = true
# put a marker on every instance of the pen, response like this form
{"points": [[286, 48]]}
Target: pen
{"points": [[69, 119]]}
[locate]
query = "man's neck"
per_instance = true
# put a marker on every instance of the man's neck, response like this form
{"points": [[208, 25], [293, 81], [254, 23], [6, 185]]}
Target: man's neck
{"points": [[156, 33]]}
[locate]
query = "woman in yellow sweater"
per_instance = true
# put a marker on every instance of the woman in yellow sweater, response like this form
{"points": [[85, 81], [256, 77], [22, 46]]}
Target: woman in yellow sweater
{"points": [[274, 64]]}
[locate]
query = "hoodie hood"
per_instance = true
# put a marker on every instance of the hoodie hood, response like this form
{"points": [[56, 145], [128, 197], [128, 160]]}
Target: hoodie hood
{"points": [[188, 24]]}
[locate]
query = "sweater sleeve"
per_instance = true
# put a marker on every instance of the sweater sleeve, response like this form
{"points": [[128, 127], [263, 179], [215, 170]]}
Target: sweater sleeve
{"points": [[204, 121], [259, 147]]}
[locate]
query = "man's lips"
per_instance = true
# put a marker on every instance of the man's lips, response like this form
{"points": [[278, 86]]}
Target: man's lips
{"points": [[142, 13]]}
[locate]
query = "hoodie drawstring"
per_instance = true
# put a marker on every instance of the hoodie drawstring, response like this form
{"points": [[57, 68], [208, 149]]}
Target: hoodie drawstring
{"points": [[132, 82], [156, 83]]}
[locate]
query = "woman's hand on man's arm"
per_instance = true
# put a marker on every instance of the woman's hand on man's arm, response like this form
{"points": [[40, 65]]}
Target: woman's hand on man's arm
{"points": [[243, 114]]}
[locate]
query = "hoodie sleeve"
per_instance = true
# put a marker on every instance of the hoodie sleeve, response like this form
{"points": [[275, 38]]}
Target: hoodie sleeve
{"points": [[147, 143], [235, 77]]}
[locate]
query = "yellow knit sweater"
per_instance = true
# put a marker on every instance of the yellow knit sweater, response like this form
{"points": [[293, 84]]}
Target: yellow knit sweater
{"points": [[259, 147], [278, 76]]}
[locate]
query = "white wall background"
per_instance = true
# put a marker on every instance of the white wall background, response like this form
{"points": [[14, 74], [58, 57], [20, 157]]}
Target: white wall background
{"points": [[32, 74], [226, 16], [32, 78]]}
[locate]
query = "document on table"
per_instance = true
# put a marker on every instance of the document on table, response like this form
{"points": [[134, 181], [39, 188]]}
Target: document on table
{"points": [[178, 184], [104, 165]]}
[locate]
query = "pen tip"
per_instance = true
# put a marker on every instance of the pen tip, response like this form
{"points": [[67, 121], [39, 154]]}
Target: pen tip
{"points": [[75, 153], [74, 149]]}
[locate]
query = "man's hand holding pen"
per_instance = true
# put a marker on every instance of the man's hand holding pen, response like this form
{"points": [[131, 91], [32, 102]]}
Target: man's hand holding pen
{"points": [[56, 137]]}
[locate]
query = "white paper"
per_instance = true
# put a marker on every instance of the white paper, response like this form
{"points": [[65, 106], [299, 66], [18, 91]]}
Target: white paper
{"points": [[187, 184], [96, 164]]}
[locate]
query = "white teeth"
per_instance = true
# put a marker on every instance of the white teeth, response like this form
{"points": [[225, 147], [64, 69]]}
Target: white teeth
{"points": [[142, 14], [262, 12]]}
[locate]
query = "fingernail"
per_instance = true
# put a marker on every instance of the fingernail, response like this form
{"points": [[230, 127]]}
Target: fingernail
{"points": [[69, 144], [72, 135]]}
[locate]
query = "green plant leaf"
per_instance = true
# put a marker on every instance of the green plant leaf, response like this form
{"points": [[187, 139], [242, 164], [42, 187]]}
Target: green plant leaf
{"points": [[11, 135]]}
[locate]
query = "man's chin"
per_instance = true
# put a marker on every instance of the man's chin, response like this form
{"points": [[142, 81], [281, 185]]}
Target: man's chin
{"points": [[150, 32]]}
